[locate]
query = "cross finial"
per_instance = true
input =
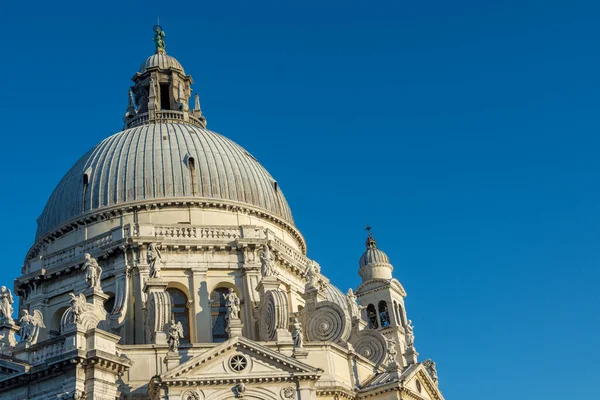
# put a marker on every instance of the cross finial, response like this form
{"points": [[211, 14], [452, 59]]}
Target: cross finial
{"points": [[370, 240]]}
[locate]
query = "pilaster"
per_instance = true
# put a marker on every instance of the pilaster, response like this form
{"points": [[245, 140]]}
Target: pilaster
{"points": [[306, 390], [201, 306]]}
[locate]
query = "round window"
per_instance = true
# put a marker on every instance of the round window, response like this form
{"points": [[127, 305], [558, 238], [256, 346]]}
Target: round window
{"points": [[238, 363]]}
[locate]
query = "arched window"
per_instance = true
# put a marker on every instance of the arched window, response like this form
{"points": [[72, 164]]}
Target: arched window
{"points": [[179, 311], [372, 317], [384, 316], [192, 167], [85, 190], [54, 326], [218, 312]]}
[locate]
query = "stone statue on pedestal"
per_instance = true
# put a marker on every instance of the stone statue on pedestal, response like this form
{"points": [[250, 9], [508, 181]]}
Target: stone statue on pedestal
{"points": [[174, 334], [355, 309], [93, 271], [266, 262], [77, 306], [431, 369], [154, 259], [297, 334], [311, 274], [232, 304], [410, 337], [6, 308], [30, 326]]}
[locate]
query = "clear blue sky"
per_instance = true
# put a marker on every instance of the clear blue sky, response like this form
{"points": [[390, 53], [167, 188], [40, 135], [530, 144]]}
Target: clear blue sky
{"points": [[465, 132]]}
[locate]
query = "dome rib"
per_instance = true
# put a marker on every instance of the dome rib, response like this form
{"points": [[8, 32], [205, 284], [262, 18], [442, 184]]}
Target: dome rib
{"points": [[160, 60], [138, 164]]}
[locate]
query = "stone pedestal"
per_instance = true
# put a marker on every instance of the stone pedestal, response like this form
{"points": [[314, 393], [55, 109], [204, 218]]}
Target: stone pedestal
{"points": [[234, 328], [96, 297], [172, 360], [7, 335], [267, 283], [411, 356], [158, 310], [300, 353]]}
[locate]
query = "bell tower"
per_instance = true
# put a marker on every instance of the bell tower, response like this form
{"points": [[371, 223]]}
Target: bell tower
{"points": [[381, 297]]}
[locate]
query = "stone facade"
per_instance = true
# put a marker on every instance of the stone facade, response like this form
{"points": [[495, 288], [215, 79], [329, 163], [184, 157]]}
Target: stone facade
{"points": [[154, 289]]}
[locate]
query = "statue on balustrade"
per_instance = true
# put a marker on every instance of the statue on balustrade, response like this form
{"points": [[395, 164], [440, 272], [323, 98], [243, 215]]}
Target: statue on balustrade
{"points": [[267, 263], [6, 308], [93, 271], [154, 259]]}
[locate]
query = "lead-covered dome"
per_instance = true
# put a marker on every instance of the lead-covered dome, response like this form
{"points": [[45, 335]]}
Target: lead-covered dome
{"points": [[162, 61], [162, 161], [374, 263]]}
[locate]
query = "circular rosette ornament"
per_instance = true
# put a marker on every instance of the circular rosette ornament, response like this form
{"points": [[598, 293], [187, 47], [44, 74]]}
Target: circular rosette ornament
{"points": [[288, 393], [326, 323], [371, 345]]}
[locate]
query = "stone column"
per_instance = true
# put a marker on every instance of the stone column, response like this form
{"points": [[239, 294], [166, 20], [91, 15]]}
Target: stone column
{"points": [[158, 310]]}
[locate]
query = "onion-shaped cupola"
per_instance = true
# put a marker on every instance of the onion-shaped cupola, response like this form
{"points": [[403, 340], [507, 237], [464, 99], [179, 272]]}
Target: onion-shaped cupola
{"points": [[374, 263], [162, 91]]}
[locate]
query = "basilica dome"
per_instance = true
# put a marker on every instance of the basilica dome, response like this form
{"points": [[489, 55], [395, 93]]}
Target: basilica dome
{"points": [[162, 161]]}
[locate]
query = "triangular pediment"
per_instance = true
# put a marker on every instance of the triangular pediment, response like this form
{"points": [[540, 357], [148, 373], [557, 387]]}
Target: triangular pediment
{"points": [[240, 359], [420, 382], [10, 368], [413, 379], [379, 284]]}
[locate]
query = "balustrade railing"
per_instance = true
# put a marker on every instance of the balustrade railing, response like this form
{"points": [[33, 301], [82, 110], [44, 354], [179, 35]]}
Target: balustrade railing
{"points": [[40, 355], [163, 116]]}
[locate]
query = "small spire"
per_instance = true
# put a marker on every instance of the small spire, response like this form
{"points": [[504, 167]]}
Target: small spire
{"points": [[197, 103], [371, 244], [159, 39]]}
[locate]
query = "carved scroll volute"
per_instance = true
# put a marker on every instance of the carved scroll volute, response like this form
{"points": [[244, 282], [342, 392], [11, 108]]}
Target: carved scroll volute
{"points": [[122, 284], [273, 315]]}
